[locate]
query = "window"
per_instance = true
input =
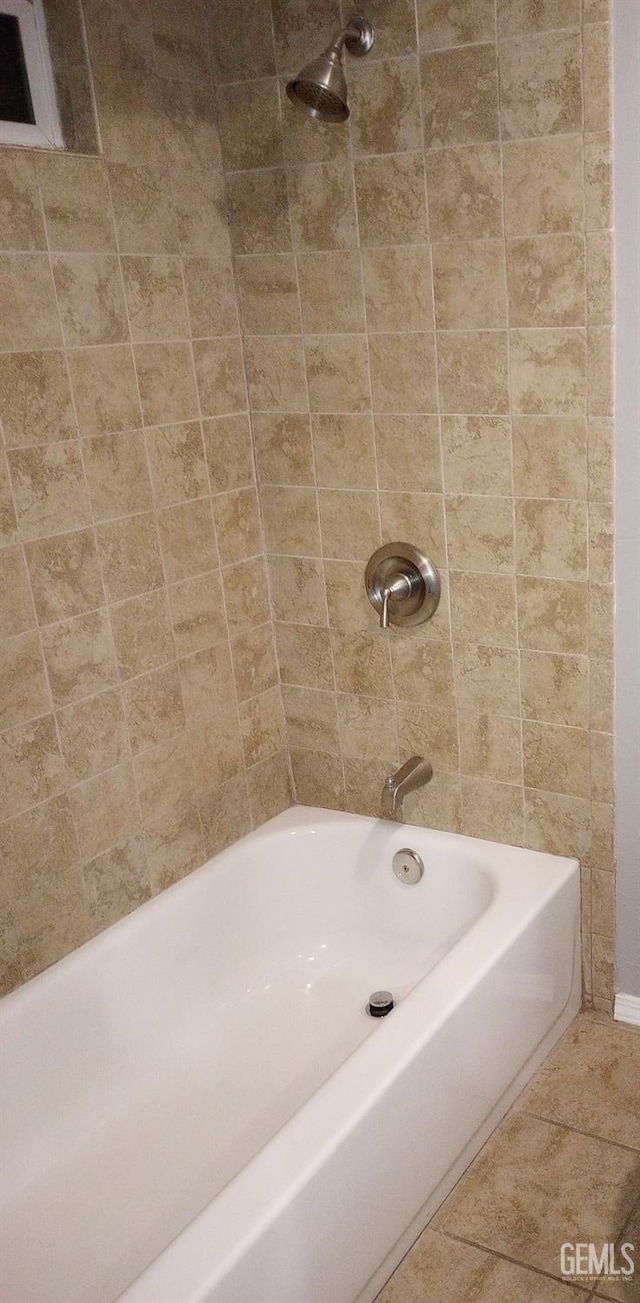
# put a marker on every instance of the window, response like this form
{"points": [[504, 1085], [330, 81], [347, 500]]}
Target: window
{"points": [[28, 110]]}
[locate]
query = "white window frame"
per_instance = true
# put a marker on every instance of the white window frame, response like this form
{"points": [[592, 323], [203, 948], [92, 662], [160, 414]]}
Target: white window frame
{"points": [[47, 132]]}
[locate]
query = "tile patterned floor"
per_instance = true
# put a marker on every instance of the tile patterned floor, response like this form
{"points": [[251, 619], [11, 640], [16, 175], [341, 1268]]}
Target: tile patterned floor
{"points": [[564, 1165]]}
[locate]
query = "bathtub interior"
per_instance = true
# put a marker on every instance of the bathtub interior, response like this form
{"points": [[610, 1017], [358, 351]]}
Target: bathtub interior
{"points": [[172, 1048]]}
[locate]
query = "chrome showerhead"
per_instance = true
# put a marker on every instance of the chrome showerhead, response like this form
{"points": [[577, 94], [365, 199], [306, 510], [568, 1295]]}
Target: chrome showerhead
{"points": [[320, 90]]}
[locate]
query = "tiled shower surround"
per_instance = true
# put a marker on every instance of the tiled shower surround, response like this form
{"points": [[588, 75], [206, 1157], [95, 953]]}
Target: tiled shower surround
{"points": [[420, 304], [139, 693], [425, 296]]}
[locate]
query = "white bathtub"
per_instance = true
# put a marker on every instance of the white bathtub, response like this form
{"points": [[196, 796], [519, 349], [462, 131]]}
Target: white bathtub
{"points": [[196, 1107]]}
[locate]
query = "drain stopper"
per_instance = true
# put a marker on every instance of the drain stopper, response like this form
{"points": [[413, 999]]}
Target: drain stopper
{"points": [[380, 1004]]}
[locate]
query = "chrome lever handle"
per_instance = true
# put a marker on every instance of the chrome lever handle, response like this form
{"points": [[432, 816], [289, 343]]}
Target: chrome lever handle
{"points": [[399, 587]]}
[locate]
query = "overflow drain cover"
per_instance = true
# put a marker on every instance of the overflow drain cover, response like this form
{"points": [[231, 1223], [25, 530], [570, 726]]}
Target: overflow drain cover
{"points": [[408, 866], [380, 1004]]}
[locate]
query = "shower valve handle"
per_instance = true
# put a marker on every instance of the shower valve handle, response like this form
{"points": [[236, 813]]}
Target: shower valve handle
{"points": [[402, 584], [399, 587]]}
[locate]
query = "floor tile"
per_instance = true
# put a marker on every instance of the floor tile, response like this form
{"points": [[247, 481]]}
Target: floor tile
{"points": [[536, 1185], [539, 1182], [442, 1270], [626, 1290], [592, 1082]]}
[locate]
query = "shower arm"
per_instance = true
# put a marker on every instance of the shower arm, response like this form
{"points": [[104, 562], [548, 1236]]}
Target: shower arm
{"points": [[348, 33], [356, 37]]}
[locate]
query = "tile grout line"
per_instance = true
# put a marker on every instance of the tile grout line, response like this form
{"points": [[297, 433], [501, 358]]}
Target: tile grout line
{"points": [[64, 792], [395, 746], [580, 1131], [505, 1257], [587, 961], [154, 512], [194, 793], [228, 639], [304, 335], [243, 335], [505, 246], [441, 439]]}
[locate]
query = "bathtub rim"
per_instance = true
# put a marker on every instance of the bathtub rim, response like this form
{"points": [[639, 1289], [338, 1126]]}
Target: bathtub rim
{"points": [[257, 1193], [296, 817]]}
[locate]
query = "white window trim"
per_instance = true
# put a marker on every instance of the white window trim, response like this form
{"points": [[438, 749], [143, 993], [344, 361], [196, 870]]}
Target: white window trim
{"points": [[47, 132]]}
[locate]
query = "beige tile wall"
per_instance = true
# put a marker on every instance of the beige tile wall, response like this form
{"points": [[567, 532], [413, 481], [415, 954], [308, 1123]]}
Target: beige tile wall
{"points": [[72, 75], [140, 709], [424, 314], [425, 295]]}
